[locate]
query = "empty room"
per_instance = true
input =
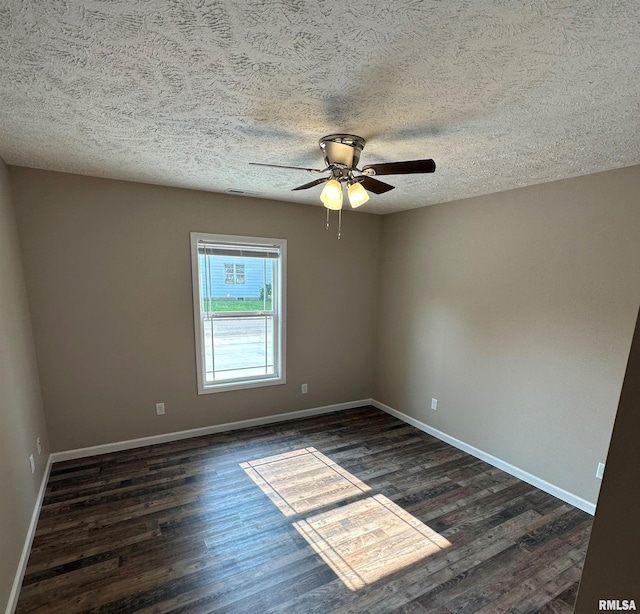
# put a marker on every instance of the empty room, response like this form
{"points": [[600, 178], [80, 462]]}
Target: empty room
{"points": [[318, 307]]}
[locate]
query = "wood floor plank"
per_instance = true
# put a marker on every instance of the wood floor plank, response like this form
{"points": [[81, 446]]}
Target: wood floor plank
{"points": [[385, 518]]}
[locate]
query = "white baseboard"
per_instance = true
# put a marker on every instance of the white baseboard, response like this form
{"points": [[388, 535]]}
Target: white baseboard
{"points": [[521, 474], [205, 430], [129, 444], [26, 549]]}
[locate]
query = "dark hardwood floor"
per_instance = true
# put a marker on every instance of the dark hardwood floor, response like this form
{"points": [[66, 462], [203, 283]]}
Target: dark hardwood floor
{"points": [[350, 512]]}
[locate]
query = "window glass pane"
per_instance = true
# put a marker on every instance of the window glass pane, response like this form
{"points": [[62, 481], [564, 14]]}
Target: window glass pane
{"points": [[239, 347], [229, 277], [243, 285], [239, 273]]}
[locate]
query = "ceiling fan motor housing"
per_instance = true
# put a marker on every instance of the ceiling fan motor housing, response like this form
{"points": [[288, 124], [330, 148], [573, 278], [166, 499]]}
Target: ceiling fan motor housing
{"points": [[342, 150]]}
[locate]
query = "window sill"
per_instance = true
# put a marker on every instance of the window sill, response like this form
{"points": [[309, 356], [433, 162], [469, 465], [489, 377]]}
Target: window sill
{"points": [[227, 387]]}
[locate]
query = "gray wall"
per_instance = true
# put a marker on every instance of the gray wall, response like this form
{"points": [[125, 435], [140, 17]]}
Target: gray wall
{"points": [[108, 270], [516, 311], [21, 416]]}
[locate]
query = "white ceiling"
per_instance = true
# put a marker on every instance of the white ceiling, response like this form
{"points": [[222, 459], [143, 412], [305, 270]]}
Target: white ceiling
{"points": [[185, 93]]}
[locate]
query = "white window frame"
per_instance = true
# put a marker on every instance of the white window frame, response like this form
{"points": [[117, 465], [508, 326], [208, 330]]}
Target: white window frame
{"points": [[279, 295]]}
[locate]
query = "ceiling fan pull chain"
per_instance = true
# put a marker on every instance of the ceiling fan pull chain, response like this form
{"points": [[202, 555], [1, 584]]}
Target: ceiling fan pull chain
{"points": [[339, 222], [327, 219]]}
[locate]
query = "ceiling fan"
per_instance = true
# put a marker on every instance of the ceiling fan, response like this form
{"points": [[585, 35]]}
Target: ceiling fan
{"points": [[341, 157]]}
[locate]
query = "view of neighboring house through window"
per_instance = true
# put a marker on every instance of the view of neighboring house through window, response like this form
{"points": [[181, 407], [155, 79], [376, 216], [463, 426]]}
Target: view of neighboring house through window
{"points": [[238, 291]]}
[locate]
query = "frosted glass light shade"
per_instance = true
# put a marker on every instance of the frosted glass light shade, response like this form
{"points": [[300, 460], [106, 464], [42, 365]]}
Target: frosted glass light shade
{"points": [[331, 195], [357, 195]]}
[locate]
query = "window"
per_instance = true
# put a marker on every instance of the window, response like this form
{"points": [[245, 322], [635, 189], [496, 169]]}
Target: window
{"points": [[239, 311], [234, 273]]}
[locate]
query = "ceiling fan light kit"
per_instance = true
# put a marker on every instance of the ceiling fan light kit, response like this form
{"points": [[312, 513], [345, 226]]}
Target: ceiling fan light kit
{"points": [[341, 156], [357, 194], [331, 195]]}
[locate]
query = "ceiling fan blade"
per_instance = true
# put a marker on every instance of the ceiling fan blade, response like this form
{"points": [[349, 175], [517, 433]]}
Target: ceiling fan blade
{"points": [[375, 186], [401, 168], [296, 168], [311, 184]]}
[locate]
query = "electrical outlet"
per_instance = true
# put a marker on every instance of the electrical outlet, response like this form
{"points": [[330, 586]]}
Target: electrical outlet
{"points": [[39, 444], [600, 470], [434, 404], [304, 389], [159, 409], [32, 462]]}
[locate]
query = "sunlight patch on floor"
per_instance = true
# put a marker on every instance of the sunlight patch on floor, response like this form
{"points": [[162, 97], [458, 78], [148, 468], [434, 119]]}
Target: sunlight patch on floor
{"points": [[303, 480], [361, 541], [369, 539]]}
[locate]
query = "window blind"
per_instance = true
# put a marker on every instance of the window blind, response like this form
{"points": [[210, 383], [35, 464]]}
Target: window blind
{"points": [[244, 251]]}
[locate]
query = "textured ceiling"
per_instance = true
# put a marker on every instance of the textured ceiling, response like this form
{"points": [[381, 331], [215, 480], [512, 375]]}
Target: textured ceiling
{"points": [[501, 94]]}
